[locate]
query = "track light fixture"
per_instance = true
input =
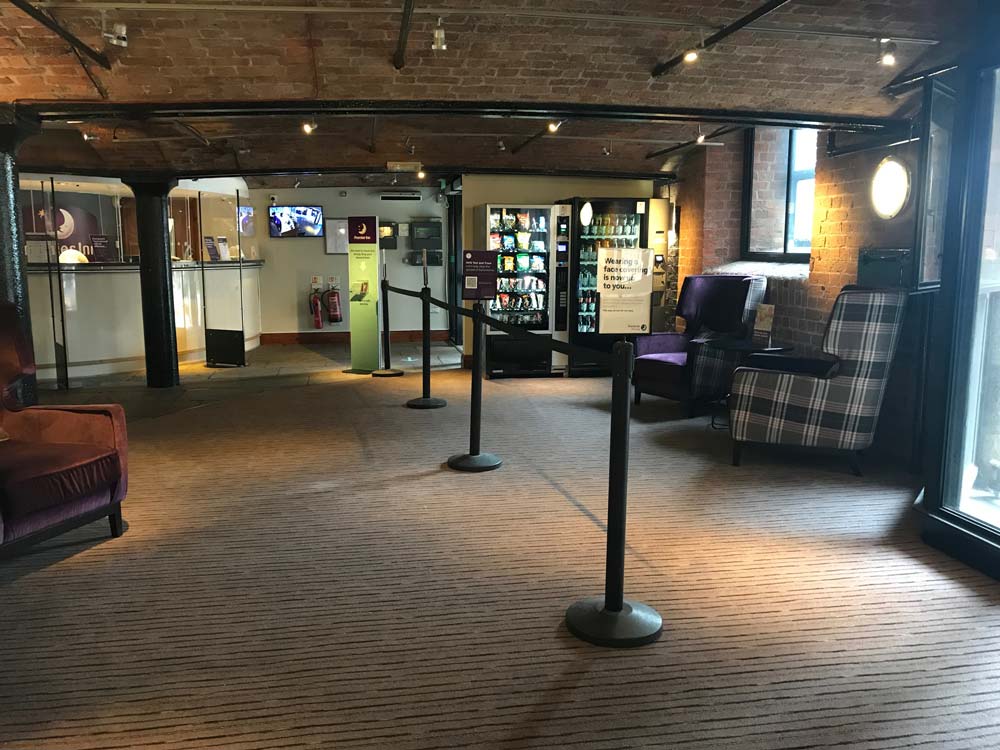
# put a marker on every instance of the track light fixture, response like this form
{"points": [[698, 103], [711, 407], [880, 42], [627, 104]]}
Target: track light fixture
{"points": [[701, 137], [439, 45], [554, 126], [887, 52], [309, 127], [421, 174], [607, 150], [501, 146], [89, 137]]}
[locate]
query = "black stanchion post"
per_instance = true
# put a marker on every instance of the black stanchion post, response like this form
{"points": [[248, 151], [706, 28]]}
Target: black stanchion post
{"points": [[386, 371], [474, 460], [611, 620], [426, 401]]}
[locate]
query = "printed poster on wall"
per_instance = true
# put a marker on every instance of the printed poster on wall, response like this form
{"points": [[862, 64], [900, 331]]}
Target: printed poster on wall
{"points": [[363, 280], [625, 284], [479, 274]]}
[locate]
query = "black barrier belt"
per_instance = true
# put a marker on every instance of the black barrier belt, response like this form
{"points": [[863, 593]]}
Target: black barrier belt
{"points": [[515, 331]]}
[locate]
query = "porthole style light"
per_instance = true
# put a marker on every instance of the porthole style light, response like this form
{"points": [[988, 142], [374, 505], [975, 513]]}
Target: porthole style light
{"points": [[890, 187]]}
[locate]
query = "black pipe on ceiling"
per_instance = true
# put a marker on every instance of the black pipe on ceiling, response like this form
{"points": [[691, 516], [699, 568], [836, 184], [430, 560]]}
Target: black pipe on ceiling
{"points": [[681, 146], [399, 58], [719, 35], [52, 25], [911, 80]]}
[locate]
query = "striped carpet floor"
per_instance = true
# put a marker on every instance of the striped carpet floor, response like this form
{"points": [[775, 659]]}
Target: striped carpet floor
{"points": [[299, 571]]}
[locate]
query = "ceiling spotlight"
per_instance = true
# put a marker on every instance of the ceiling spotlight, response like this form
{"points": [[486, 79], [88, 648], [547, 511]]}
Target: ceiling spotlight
{"points": [[309, 127], [691, 56], [887, 52], [421, 174], [297, 183], [439, 45], [118, 35], [606, 150], [395, 180], [89, 137], [554, 126], [501, 146], [701, 137], [74, 122]]}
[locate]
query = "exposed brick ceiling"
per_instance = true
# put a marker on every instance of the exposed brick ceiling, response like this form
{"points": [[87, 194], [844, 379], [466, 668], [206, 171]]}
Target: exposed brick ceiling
{"points": [[189, 55]]}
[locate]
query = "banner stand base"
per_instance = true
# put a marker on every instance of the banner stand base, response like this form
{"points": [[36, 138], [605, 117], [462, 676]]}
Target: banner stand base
{"points": [[426, 403], [390, 373], [636, 624], [478, 462]]}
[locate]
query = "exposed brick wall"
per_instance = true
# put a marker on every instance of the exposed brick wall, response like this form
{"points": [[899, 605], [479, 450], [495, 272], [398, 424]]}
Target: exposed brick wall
{"points": [[770, 185], [708, 192], [843, 223]]}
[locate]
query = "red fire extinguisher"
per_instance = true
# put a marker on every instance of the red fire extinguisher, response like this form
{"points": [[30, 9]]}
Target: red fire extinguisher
{"points": [[331, 300], [316, 308]]}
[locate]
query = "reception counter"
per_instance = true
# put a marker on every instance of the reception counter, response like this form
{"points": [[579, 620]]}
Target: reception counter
{"points": [[103, 312]]}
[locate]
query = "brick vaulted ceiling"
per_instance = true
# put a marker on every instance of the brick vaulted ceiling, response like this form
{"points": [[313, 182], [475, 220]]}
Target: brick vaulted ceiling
{"points": [[809, 56]]}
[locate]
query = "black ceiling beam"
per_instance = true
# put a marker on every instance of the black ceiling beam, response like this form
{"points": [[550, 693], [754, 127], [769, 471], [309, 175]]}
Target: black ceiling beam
{"points": [[718, 36], [688, 144], [84, 110], [52, 25], [399, 58]]}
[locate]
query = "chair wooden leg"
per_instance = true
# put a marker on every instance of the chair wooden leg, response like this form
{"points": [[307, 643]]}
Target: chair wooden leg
{"points": [[855, 458], [737, 452], [115, 519]]}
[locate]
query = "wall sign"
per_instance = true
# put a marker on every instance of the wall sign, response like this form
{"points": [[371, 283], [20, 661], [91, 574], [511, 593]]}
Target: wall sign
{"points": [[101, 250], [363, 275], [210, 248], [625, 285], [479, 274]]}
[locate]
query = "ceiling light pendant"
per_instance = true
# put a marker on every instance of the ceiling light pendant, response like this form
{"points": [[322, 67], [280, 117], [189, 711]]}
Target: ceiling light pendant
{"points": [[309, 127], [439, 45], [887, 52]]}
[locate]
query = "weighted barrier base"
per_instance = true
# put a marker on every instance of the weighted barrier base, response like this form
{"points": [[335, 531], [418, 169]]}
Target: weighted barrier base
{"points": [[635, 625], [390, 373], [479, 462], [426, 403]]}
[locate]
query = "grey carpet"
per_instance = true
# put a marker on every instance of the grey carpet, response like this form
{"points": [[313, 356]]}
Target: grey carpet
{"points": [[299, 571]]}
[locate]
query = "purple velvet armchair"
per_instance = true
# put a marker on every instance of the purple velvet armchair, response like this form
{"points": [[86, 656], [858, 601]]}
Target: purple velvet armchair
{"points": [[60, 466], [679, 366]]}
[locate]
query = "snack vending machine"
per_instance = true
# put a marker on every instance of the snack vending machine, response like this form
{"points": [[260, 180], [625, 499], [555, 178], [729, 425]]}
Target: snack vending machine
{"points": [[523, 237]]}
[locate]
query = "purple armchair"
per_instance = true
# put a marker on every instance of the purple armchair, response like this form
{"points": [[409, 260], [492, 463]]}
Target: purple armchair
{"points": [[679, 366], [61, 466]]}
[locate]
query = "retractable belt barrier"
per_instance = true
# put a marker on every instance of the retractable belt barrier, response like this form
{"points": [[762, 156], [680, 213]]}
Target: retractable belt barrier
{"points": [[609, 620]]}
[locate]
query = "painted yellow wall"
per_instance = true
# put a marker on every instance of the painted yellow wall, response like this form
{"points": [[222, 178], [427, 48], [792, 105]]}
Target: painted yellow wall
{"points": [[511, 190]]}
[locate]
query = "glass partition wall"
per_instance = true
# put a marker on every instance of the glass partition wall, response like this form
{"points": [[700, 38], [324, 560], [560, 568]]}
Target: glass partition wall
{"points": [[961, 501]]}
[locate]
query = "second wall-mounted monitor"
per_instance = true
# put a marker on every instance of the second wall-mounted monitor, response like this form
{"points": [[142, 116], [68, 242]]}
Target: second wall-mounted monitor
{"points": [[295, 221]]}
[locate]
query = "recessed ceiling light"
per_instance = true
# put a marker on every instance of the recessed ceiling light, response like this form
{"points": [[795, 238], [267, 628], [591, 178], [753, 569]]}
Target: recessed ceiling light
{"points": [[691, 56]]}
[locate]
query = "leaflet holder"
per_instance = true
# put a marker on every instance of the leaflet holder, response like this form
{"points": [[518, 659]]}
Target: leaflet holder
{"points": [[224, 344]]}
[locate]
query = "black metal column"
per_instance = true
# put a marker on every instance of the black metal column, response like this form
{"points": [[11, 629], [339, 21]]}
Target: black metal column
{"points": [[13, 271], [156, 282], [387, 370], [426, 401], [475, 460]]}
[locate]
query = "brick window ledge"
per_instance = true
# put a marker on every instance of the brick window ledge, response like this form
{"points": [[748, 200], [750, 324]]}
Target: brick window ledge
{"points": [[796, 271]]}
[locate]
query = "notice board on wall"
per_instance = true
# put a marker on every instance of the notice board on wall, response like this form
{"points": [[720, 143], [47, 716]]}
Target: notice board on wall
{"points": [[625, 285]]}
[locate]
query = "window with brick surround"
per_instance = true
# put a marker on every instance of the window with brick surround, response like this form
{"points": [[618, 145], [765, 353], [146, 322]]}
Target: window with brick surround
{"points": [[779, 181]]}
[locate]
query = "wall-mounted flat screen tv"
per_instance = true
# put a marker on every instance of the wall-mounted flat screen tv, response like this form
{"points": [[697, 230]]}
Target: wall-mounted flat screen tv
{"points": [[295, 221]]}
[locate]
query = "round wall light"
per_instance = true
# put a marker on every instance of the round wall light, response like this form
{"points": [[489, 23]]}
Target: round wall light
{"points": [[890, 187], [586, 214]]}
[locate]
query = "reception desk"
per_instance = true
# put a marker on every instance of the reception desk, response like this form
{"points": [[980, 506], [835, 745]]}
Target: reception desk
{"points": [[103, 312]]}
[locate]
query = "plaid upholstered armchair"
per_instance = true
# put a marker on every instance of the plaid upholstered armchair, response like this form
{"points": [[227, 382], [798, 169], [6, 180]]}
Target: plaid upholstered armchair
{"points": [[829, 402], [679, 366]]}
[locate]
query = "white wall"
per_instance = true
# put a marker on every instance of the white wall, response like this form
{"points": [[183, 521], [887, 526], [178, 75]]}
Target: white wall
{"points": [[290, 263]]}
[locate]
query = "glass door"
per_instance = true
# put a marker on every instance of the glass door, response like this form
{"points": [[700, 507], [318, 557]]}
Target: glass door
{"points": [[972, 484]]}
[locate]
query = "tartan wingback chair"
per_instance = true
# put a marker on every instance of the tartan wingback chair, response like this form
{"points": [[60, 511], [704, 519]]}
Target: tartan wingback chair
{"points": [[831, 402]]}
